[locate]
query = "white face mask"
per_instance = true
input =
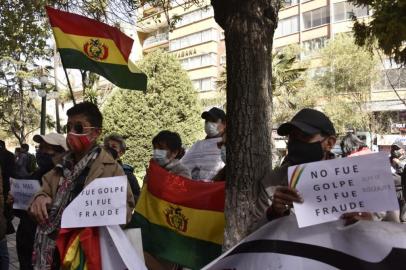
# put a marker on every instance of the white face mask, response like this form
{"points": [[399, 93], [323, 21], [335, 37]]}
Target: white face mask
{"points": [[223, 153], [160, 156], [211, 129]]}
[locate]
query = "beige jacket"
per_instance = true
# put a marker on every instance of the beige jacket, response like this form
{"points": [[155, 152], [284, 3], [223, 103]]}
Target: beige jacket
{"points": [[103, 166]]}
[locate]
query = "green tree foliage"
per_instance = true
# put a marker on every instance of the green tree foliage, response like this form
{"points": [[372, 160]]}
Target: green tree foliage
{"points": [[350, 72], [170, 102], [288, 81], [22, 48], [387, 26]]}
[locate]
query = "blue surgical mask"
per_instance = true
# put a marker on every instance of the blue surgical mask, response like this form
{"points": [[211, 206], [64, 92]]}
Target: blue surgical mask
{"points": [[160, 156]]}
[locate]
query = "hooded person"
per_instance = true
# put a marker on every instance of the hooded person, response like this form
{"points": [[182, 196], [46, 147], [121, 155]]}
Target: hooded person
{"points": [[203, 159]]}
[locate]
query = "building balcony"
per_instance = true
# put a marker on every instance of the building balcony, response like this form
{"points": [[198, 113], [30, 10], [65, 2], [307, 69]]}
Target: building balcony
{"points": [[155, 40]]}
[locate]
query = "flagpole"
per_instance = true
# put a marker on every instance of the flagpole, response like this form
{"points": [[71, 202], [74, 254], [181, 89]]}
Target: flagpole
{"points": [[67, 79]]}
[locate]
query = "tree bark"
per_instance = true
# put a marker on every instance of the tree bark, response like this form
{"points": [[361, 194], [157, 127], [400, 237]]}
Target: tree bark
{"points": [[249, 28]]}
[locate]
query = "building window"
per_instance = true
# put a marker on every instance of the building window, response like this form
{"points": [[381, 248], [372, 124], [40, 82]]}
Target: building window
{"points": [[389, 77], [209, 59], [287, 26], [194, 16], [158, 36], [313, 45], [344, 11], [204, 84], [316, 17], [193, 39], [288, 3]]}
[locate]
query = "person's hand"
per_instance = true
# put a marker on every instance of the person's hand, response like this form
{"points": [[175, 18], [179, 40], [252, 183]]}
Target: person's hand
{"points": [[283, 199], [396, 160], [351, 218], [38, 208], [10, 199]]}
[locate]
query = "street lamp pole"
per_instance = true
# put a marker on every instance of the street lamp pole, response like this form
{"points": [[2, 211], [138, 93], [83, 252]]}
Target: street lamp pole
{"points": [[58, 123], [43, 79], [43, 114]]}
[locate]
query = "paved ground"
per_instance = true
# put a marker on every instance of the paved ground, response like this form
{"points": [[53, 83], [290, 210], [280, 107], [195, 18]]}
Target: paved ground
{"points": [[11, 243]]}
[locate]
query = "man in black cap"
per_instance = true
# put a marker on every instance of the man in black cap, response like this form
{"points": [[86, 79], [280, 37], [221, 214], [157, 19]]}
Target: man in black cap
{"points": [[203, 159], [311, 136]]}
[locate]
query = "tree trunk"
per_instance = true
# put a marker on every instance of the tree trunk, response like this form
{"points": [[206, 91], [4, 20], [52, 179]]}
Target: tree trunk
{"points": [[249, 28]]}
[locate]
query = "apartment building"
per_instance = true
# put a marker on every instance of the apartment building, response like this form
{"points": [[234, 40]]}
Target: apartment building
{"points": [[198, 42]]}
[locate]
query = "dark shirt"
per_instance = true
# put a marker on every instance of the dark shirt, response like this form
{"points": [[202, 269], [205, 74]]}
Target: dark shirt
{"points": [[132, 180]]}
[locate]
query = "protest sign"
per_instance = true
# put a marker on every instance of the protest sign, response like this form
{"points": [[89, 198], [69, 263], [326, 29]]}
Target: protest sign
{"points": [[281, 245], [332, 187], [102, 202], [23, 191], [203, 159], [117, 251]]}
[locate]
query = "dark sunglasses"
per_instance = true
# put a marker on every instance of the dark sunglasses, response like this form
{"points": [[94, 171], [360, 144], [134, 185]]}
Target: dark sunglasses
{"points": [[77, 128]]}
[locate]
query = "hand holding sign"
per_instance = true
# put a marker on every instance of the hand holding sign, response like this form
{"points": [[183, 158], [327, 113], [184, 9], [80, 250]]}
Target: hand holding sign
{"points": [[333, 187], [283, 200]]}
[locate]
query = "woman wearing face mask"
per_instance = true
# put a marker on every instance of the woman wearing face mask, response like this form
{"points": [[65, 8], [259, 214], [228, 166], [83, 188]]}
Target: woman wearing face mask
{"points": [[167, 149], [84, 163], [51, 147], [203, 159]]}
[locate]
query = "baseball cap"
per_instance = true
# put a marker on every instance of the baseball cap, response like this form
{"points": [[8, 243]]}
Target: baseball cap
{"points": [[214, 114], [52, 139], [309, 121], [399, 144]]}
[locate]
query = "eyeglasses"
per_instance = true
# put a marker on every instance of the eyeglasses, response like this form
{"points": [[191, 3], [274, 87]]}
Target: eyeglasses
{"points": [[77, 128]]}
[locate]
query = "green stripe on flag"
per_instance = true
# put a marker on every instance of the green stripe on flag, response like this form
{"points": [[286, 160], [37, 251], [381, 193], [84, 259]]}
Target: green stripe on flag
{"points": [[120, 75], [174, 247]]}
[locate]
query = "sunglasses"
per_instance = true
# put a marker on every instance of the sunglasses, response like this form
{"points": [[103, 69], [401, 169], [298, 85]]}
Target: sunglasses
{"points": [[77, 128]]}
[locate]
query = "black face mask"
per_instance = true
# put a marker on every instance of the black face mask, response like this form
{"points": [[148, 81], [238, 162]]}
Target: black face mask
{"points": [[300, 152], [44, 161], [112, 152]]}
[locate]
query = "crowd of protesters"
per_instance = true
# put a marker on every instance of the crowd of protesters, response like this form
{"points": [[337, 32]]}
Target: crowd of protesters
{"points": [[64, 166]]}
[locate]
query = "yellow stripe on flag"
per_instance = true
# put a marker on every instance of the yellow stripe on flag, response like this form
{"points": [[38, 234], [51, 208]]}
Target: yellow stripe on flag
{"points": [[109, 50], [72, 256], [195, 223]]}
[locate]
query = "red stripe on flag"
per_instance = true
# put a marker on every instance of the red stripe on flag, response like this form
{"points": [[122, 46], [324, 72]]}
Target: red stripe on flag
{"points": [[90, 243], [64, 241], [182, 191], [79, 25]]}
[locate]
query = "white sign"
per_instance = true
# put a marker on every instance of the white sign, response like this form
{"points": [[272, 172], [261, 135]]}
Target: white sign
{"points": [[332, 187], [102, 202], [117, 251], [203, 159], [281, 245], [23, 191]]}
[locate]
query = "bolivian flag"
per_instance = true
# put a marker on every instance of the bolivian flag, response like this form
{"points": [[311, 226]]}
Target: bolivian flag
{"points": [[181, 220], [87, 44], [79, 249]]}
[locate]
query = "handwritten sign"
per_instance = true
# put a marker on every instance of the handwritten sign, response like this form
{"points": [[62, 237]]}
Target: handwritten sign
{"points": [[23, 191], [333, 187], [102, 202]]}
